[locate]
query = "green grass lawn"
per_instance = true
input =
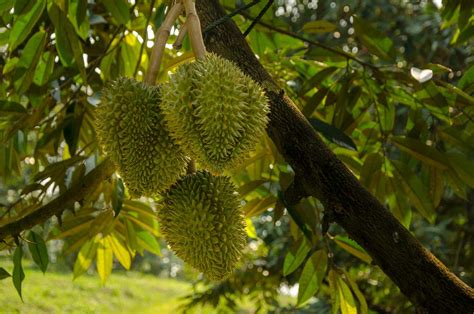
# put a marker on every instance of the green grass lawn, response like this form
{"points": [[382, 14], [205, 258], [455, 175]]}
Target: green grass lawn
{"points": [[129, 292]]}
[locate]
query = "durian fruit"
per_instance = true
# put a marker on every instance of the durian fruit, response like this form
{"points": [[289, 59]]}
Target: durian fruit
{"points": [[131, 130], [215, 112], [201, 219]]}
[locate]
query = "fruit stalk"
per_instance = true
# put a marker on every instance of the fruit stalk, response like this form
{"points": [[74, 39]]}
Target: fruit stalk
{"points": [[194, 29], [160, 42]]}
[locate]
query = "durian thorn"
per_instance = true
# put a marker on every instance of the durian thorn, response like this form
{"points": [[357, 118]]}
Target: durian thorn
{"points": [[160, 42], [194, 29], [191, 167], [182, 33]]}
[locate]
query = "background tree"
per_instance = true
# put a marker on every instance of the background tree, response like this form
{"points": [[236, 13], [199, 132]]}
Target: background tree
{"points": [[408, 138]]}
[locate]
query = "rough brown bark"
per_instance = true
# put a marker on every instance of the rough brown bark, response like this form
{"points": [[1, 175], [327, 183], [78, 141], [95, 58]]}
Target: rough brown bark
{"points": [[420, 275]]}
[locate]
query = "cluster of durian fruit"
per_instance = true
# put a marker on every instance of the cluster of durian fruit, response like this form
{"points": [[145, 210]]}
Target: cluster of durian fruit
{"points": [[208, 111]]}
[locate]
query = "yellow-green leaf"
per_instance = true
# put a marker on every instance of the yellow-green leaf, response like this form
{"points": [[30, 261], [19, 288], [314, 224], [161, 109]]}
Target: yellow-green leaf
{"points": [[24, 23], [85, 257], [352, 247], [319, 26], [104, 259], [348, 305], [295, 256], [362, 302], [120, 251]]}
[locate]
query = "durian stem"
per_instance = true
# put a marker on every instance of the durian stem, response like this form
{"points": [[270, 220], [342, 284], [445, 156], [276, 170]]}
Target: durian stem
{"points": [[160, 42], [194, 29], [182, 33]]}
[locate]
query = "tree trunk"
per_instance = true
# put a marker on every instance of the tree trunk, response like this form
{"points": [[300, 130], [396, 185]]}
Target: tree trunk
{"points": [[420, 275]]}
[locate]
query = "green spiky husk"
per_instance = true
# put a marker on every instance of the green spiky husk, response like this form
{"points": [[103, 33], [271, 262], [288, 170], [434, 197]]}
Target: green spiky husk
{"points": [[131, 130], [201, 219], [215, 112]]}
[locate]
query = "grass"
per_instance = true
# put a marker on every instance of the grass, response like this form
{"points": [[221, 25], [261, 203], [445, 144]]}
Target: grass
{"points": [[129, 292]]}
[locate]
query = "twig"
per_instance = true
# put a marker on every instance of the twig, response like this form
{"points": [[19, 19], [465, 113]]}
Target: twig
{"points": [[145, 38], [194, 29], [259, 16], [218, 22], [308, 41], [75, 194], [160, 41], [182, 33]]}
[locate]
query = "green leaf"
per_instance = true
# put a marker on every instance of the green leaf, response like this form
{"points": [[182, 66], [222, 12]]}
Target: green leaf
{"points": [[3, 273], [117, 196], [463, 167], [312, 276], [352, 247], [18, 274], [29, 59], [104, 261], [333, 134], [38, 251], [415, 190], [118, 9], [44, 69], [427, 154], [375, 41], [334, 291], [129, 52], [77, 13], [67, 44], [258, 206], [348, 305], [319, 26], [295, 256], [250, 187], [85, 257], [24, 23], [372, 163], [148, 242], [10, 107], [6, 5]]}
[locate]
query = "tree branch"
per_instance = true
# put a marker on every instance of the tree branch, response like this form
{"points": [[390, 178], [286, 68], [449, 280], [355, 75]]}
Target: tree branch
{"points": [[75, 194], [419, 274]]}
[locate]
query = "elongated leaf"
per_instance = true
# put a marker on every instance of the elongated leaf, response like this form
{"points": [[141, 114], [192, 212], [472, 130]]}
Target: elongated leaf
{"points": [[362, 302], [348, 305], [85, 257], [257, 206], [377, 42], [312, 276], [372, 164], [44, 69], [10, 107], [18, 275], [104, 259], [463, 167], [250, 187], [38, 250], [295, 256], [415, 190], [24, 23], [120, 252], [118, 9], [333, 134], [3, 273], [117, 197], [319, 26], [148, 242], [421, 151], [352, 247]]}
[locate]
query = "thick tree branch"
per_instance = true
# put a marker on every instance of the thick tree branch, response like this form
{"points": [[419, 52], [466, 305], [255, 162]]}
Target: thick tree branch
{"points": [[419, 274], [75, 194]]}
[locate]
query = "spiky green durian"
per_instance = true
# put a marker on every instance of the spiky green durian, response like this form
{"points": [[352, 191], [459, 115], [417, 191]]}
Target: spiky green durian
{"points": [[131, 130], [215, 111], [201, 219]]}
